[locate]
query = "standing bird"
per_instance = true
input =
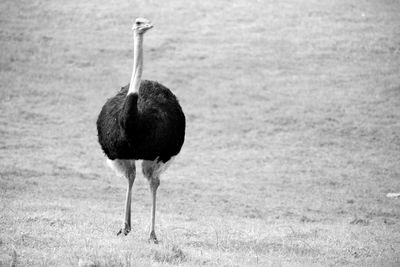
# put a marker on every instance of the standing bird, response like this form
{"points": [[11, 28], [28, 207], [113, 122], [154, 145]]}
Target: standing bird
{"points": [[143, 121]]}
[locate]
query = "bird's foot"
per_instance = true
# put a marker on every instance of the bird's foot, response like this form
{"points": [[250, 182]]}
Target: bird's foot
{"points": [[124, 230], [153, 238]]}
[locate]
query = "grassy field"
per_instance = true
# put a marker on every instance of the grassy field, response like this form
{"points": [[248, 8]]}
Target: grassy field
{"points": [[293, 133]]}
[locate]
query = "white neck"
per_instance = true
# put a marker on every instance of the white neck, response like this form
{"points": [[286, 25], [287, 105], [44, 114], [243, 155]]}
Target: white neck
{"points": [[137, 63]]}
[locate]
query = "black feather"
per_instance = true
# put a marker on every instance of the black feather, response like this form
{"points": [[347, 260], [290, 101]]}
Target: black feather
{"points": [[145, 125]]}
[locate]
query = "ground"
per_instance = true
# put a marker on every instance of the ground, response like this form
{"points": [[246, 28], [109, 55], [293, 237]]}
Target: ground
{"points": [[293, 133]]}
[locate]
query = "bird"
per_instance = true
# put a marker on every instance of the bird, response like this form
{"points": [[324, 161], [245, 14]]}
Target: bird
{"points": [[143, 121]]}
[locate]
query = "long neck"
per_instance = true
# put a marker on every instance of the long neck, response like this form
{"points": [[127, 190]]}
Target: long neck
{"points": [[137, 63]]}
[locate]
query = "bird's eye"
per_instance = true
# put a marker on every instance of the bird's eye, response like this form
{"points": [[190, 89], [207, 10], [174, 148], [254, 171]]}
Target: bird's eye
{"points": [[138, 22]]}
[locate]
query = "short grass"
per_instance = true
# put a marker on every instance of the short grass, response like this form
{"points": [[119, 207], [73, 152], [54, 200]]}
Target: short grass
{"points": [[293, 133]]}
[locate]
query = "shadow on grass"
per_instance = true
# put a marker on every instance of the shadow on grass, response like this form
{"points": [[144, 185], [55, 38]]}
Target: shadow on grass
{"points": [[174, 255]]}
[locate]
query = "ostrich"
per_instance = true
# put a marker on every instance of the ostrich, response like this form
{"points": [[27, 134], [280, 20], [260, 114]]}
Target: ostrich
{"points": [[143, 121]]}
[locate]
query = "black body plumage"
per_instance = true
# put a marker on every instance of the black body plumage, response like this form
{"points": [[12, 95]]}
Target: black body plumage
{"points": [[145, 125]]}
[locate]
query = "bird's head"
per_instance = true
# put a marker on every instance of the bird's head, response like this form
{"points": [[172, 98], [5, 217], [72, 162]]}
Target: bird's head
{"points": [[141, 25]]}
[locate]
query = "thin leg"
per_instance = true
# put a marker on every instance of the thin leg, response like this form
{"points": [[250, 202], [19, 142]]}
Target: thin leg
{"points": [[127, 224], [152, 171], [154, 183], [127, 169]]}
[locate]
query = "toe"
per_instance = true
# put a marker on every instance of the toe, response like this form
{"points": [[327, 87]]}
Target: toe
{"points": [[153, 238], [125, 231]]}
